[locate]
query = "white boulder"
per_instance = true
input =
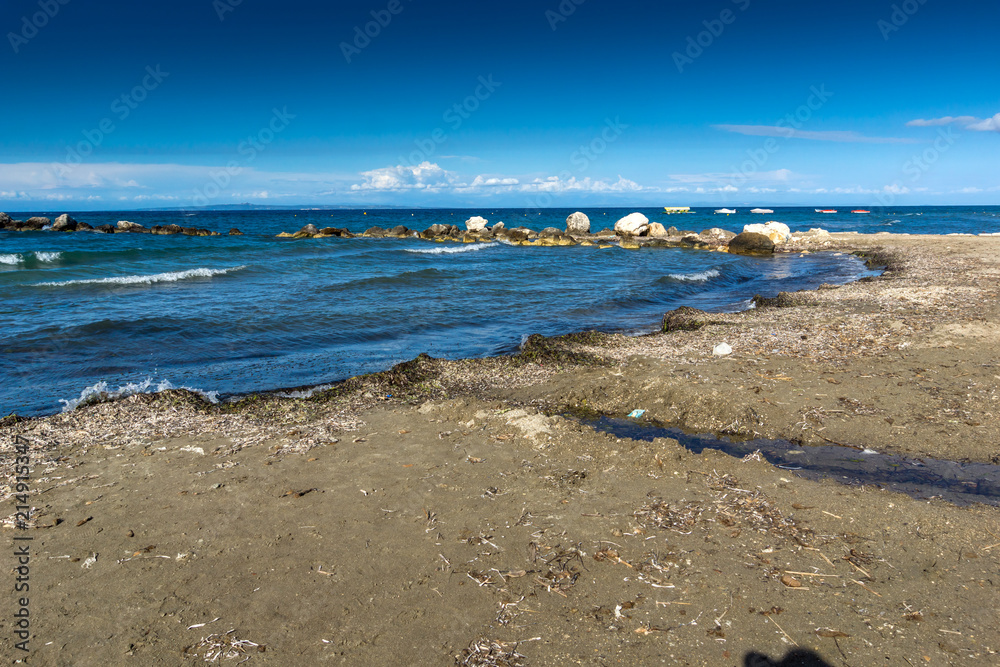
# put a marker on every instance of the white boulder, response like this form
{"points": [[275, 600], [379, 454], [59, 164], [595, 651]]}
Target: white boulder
{"points": [[634, 224], [578, 223], [476, 224], [778, 232]]}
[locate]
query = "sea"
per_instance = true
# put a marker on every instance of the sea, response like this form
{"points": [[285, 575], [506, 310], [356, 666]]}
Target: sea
{"points": [[84, 315]]}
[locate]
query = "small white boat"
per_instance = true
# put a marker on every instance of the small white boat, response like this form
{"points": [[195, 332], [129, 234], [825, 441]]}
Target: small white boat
{"points": [[825, 210], [762, 210], [727, 211]]}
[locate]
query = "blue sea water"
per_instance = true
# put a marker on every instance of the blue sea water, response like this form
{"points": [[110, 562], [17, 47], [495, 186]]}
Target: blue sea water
{"points": [[85, 312]]}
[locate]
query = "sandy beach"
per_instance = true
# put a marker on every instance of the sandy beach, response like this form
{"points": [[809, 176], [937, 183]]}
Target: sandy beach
{"points": [[455, 512]]}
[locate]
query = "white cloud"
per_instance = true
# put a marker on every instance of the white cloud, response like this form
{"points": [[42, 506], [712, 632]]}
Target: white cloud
{"points": [[573, 184], [969, 122], [431, 177], [424, 176], [987, 125], [946, 120], [843, 136]]}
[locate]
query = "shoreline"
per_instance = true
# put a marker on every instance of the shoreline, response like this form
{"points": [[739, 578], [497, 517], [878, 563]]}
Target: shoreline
{"points": [[442, 503]]}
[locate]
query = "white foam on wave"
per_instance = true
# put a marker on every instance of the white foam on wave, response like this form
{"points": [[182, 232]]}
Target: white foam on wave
{"points": [[173, 276], [11, 259], [472, 247], [47, 256], [702, 277], [100, 392]]}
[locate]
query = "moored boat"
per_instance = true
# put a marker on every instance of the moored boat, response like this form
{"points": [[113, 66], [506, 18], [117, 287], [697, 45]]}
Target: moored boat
{"points": [[727, 211], [825, 210], [761, 210]]}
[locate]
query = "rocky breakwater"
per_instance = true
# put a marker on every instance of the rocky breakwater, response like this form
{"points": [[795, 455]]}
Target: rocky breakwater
{"points": [[770, 237], [66, 223]]}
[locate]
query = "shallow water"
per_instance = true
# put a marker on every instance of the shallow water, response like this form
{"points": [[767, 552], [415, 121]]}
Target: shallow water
{"points": [[959, 483], [235, 314]]}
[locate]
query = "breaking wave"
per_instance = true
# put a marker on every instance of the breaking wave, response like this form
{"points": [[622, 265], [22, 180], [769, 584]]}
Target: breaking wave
{"points": [[173, 276]]}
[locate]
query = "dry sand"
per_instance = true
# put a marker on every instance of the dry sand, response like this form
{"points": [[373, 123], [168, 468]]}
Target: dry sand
{"points": [[445, 512]]}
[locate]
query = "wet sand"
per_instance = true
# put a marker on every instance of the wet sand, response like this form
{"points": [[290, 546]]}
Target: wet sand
{"points": [[446, 512]]}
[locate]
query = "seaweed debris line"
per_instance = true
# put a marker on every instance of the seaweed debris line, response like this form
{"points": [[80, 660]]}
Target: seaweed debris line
{"points": [[925, 478]]}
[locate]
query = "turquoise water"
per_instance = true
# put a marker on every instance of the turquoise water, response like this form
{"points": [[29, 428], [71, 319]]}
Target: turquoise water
{"points": [[235, 314]]}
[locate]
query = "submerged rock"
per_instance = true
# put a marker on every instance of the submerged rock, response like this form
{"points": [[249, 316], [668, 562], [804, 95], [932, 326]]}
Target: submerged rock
{"points": [[64, 223], [235, 232], [476, 223], [634, 224], [751, 243], [577, 223]]}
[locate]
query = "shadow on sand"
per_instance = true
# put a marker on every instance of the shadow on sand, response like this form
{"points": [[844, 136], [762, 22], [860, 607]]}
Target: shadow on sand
{"points": [[795, 658]]}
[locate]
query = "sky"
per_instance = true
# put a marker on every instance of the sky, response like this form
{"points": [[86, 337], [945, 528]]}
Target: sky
{"points": [[552, 103]]}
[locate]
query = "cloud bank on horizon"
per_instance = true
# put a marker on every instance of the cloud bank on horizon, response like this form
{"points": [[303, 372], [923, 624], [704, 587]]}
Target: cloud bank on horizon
{"points": [[555, 103]]}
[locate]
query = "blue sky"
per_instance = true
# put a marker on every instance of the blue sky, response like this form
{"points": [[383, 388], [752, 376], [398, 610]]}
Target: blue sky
{"points": [[548, 103]]}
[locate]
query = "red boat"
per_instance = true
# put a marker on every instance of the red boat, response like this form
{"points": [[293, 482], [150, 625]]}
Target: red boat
{"points": [[825, 210]]}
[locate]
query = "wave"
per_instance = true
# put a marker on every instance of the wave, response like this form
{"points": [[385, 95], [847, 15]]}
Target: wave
{"points": [[472, 247], [702, 277], [48, 256], [173, 276], [100, 392], [11, 259]]}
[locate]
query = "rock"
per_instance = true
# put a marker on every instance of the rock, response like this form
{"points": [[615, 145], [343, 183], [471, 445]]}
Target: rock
{"points": [[783, 300], [778, 232], [235, 232], [306, 232], [36, 223], [685, 318], [437, 230], [105, 229], [400, 231], [497, 227], [83, 227], [722, 350], [515, 235], [751, 243], [657, 230], [64, 223], [5, 220], [339, 232], [126, 226], [634, 224], [723, 236], [376, 232], [166, 230], [608, 233], [692, 239], [476, 224], [193, 231], [551, 231], [577, 223]]}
